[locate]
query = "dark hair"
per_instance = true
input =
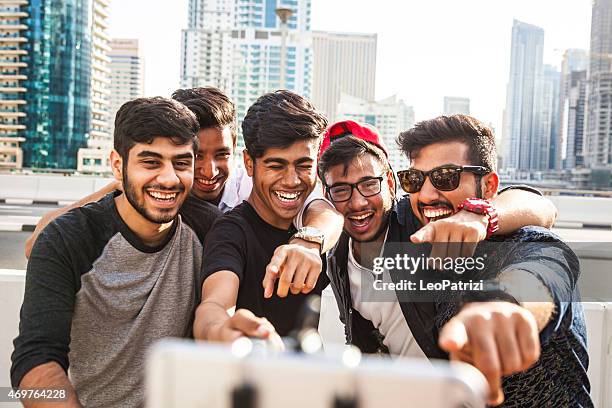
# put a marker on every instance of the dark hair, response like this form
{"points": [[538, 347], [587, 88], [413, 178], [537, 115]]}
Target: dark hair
{"points": [[278, 119], [456, 128], [211, 106], [345, 150], [143, 119]]}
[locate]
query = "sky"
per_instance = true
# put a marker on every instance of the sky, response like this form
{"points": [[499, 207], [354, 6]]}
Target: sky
{"points": [[426, 49]]}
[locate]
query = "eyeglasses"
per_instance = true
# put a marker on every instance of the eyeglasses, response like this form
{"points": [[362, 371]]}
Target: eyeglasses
{"points": [[344, 191], [444, 178]]}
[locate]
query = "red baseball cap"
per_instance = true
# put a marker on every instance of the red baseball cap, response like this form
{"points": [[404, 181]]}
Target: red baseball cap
{"points": [[349, 127]]}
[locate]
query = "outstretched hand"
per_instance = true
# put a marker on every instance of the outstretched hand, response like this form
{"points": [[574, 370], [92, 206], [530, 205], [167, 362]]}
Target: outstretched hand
{"points": [[454, 236], [498, 338], [245, 323], [296, 266]]}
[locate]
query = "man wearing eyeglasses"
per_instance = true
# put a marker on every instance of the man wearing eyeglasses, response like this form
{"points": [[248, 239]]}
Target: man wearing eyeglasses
{"points": [[452, 171]]}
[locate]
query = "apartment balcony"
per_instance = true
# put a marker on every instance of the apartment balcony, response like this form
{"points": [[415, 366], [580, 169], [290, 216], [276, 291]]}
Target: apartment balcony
{"points": [[13, 52], [98, 66], [13, 40], [104, 2], [97, 133], [102, 23], [100, 112], [101, 57], [99, 9], [16, 77], [12, 114], [12, 102], [13, 2], [12, 64], [12, 14], [100, 28], [12, 127], [104, 46], [100, 101], [98, 144], [99, 78], [13, 27], [12, 89], [99, 123]]}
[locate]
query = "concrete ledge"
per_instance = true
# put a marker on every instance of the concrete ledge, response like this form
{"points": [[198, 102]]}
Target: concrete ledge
{"points": [[18, 201], [9, 227], [12, 285], [48, 188]]}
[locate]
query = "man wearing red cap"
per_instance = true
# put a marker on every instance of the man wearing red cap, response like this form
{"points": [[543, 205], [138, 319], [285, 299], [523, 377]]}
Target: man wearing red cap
{"points": [[498, 328], [464, 224]]}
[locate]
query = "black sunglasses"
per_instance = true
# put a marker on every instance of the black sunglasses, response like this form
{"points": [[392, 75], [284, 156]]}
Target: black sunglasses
{"points": [[444, 178], [344, 191]]}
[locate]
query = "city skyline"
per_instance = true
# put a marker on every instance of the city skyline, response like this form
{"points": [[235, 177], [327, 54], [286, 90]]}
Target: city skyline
{"points": [[479, 72], [237, 46]]}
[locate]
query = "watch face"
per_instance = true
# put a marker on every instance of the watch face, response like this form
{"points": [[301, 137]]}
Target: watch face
{"points": [[311, 232], [478, 209]]}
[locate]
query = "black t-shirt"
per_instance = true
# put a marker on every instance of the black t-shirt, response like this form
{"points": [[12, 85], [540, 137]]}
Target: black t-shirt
{"points": [[242, 242], [200, 215]]}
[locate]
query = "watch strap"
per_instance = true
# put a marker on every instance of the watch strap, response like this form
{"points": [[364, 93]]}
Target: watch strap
{"points": [[483, 207]]}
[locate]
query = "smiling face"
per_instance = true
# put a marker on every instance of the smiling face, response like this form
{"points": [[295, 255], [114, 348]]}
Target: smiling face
{"points": [[430, 204], [282, 179], [214, 162], [157, 178], [365, 218]]}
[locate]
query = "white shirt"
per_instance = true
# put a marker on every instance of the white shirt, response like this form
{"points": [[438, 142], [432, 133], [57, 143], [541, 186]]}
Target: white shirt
{"points": [[237, 189], [381, 308]]}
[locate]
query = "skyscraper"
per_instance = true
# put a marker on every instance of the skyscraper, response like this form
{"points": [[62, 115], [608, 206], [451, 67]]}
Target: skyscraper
{"points": [[332, 53], [454, 105], [95, 157], [257, 47], [573, 120], [549, 140], [127, 73], [598, 133], [12, 91], [390, 116], [522, 128], [205, 45], [126, 83], [100, 75], [572, 94], [58, 72], [236, 46]]}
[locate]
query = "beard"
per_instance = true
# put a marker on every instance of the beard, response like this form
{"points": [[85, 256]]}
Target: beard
{"points": [[138, 201]]}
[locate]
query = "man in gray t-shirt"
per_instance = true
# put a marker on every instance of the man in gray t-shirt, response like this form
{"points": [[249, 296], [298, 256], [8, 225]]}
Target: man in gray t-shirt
{"points": [[106, 280]]}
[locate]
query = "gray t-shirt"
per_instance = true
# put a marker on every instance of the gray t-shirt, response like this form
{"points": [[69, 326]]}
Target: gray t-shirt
{"points": [[97, 297]]}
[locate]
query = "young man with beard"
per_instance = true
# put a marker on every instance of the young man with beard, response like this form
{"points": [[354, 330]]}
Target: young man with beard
{"points": [[537, 347], [106, 280], [218, 182], [282, 133]]}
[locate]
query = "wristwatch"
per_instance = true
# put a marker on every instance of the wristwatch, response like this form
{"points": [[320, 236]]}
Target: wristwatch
{"points": [[482, 207], [310, 234]]}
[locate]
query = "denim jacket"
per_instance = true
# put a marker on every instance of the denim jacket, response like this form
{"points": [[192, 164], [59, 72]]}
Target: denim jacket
{"points": [[558, 378]]}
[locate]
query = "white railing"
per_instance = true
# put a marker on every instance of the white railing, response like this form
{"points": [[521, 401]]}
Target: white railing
{"points": [[598, 316]]}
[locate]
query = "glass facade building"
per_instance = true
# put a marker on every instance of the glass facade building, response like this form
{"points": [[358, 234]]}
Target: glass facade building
{"points": [[523, 115], [11, 82], [58, 107]]}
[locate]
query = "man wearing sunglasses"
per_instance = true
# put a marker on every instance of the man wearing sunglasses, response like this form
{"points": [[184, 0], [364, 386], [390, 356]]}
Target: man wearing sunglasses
{"points": [[453, 160]]}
